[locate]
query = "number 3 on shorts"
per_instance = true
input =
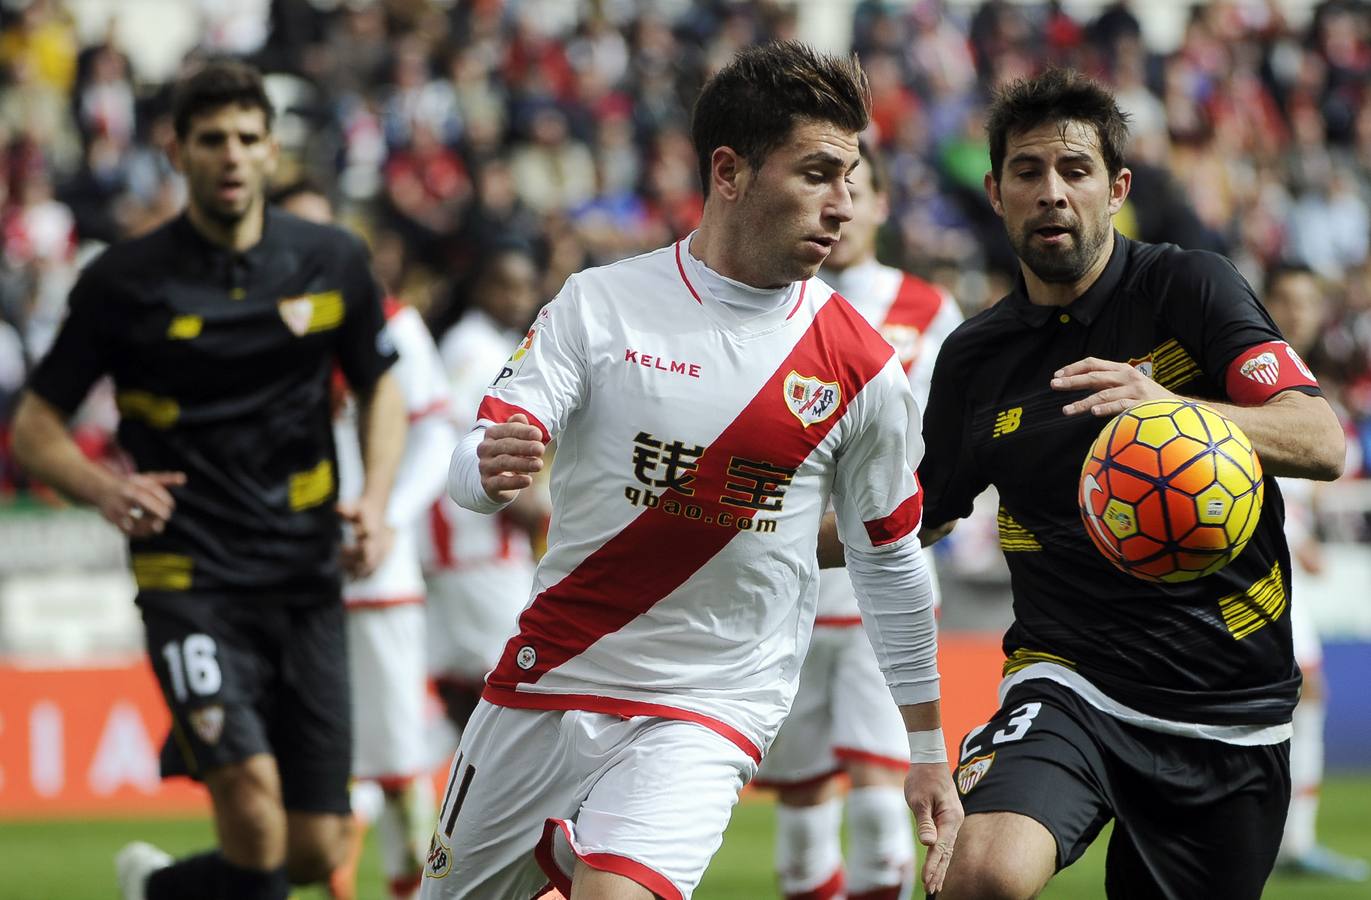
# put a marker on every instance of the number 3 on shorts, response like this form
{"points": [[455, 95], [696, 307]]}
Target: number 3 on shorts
{"points": [[192, 662], [1015, 728]]}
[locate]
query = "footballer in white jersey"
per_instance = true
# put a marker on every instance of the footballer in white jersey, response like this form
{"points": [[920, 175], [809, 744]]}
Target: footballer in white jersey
{"points": [[843, 718], [708, 399]]}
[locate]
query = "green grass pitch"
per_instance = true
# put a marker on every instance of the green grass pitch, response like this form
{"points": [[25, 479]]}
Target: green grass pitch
{"points": [[72, 860]]}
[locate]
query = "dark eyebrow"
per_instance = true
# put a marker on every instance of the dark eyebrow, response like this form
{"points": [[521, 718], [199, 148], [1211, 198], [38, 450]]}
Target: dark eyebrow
{"points": [[824, 158], [1076, 158]]}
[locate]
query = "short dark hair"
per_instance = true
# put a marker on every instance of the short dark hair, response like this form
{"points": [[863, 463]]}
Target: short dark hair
{"points": [[753, 102], [1286, 268], [216, 84], [1057, 96], [875, 163]]}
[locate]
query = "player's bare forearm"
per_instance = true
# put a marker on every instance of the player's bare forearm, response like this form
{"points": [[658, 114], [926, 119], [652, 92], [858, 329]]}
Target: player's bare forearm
{"points": [[922, 716], [830, 550], [1296, 435], [44, 449], [138, 505], [381, 427]]}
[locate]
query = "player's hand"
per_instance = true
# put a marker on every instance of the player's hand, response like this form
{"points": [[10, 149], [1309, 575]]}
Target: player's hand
{"points": [[937, 815], [140, 504], [510, 455], [371, 538], [1117, 387]]}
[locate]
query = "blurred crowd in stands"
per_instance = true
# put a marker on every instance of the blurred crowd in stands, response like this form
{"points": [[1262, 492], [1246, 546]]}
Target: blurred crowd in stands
{"points": [[447, 130]]}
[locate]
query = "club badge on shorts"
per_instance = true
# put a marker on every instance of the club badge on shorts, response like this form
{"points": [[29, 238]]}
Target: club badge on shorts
{"points": [[970, 773], [811, 399], [439, 861], [208, 723]]}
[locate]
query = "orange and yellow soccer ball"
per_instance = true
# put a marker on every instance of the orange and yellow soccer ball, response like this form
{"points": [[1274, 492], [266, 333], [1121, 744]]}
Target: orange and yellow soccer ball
{"points": [[1171, 491]]}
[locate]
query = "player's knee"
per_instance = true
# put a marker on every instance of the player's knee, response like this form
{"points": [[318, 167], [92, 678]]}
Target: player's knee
{"points": [[881, 846], [978, 873], [317, 847]]}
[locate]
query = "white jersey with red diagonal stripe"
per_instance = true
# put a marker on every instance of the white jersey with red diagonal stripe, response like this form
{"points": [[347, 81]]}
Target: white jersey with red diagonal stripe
{"points": [[697, 452], [915, 317]]}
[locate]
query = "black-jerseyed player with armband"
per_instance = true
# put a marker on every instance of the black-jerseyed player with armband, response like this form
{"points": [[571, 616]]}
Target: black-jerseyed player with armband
{"points": [[221, 330], [1165, 707]]}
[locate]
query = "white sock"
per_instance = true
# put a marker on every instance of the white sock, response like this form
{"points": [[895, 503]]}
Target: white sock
{"points": [[808, 848], [880, 840], [1306, 775], [367, 800], [404, 827]]}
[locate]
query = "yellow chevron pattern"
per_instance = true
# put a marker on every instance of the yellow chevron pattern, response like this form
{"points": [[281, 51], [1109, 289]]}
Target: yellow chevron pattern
{"points": [[1261, 604], [1172, 366], [1014, 538], [1020, 659]]}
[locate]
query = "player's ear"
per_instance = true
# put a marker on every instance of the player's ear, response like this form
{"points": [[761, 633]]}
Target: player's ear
{"points": [[1118, 191], [992, 193], [727, 172]]}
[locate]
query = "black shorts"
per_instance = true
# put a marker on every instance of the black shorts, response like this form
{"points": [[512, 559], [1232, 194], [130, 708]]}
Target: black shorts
{"points": [[247, 675], [1194, 818]]}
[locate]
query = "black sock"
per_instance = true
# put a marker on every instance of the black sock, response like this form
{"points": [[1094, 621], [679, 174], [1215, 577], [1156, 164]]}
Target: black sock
{"points": [[209, 876]]}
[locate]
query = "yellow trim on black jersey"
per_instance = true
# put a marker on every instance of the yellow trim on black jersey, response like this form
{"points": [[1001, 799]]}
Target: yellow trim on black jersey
{"points": [[185, 328], [162, 571], [159, 412], [327, 311], [1262, 603], [312, 487], [1014, 538], [1022, 659], [1172, 366]]}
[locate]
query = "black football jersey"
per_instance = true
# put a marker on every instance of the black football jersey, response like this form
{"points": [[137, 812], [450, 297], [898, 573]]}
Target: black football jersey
{"points": [[221, 364], [1216, 650]]}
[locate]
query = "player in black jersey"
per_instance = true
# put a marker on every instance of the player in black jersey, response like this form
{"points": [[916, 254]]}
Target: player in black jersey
{"points": [[1165, 707], [220, 331]]}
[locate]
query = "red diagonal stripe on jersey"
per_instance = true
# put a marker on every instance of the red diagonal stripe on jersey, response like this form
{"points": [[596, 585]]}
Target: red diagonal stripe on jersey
{"points": [[498, 411], [916, 303], [631, 572], [899, 523]]}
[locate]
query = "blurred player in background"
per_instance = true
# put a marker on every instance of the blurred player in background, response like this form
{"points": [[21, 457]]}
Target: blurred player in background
{"points": [[1295, 300], [1123, 699], [385, 610], [221, 331], [479, 567], [707, 399], [843, 718]]}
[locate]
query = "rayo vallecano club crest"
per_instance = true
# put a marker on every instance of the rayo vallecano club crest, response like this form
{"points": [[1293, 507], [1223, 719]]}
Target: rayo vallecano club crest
{"points": [[972, 771], [811, 399]]}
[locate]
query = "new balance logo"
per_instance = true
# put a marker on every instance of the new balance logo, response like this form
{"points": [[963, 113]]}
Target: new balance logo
{"points": [[1007, 421]]}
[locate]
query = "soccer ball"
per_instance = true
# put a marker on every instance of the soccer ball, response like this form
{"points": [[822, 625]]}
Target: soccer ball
{"points": [[1171, 491]]}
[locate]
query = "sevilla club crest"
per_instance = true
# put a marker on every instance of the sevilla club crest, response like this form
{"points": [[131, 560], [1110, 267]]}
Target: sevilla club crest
{"points": [[1263, 368], [297, 313], [208, 723], [970, 773], [811, 399]]}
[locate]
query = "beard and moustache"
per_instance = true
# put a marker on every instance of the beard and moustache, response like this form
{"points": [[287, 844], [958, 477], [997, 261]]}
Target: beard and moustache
{"points": [[1060, 264]]}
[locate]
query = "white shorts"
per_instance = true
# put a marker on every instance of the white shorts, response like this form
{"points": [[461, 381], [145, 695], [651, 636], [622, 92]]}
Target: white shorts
{"points": [[472, 612], [389, 689], [530, 791], [843, 712]]}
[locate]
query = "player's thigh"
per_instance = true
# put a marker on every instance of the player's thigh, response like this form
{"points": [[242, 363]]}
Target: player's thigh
{"points": [[657, 811], [1039, 757], [1000, 854], [512, 772], [1198, 819], [311, 712], [801, 756], [593, 884], [212, 677], [389, 686], [868, 731]]}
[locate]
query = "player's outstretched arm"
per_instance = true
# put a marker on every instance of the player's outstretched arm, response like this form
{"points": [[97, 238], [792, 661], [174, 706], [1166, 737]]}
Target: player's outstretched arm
{"points": [[1295, 434], [138, 505]]}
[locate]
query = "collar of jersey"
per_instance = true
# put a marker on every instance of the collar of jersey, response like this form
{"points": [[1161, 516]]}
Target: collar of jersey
{"points": [[727, 318], [252, 257], [1084, 308]]}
